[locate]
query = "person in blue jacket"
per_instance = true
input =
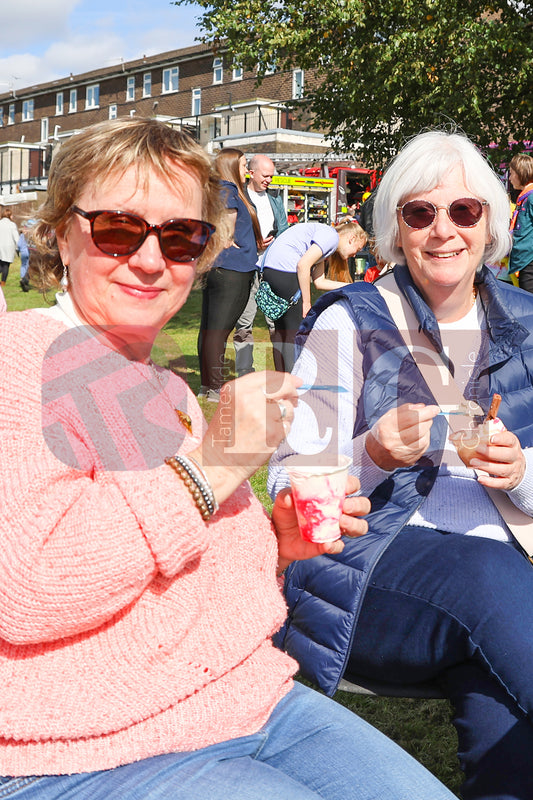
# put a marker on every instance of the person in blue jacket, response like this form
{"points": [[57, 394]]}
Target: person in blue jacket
{"points": [[438, 589], [227, 285], [24, 253], [272, 218], [521, 255]]}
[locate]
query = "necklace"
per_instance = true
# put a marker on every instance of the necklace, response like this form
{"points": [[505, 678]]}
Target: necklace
{"points": [[68, 314], [184, 418], [160, 384]]}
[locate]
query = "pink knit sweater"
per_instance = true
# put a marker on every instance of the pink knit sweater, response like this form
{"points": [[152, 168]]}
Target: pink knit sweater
{"points": [[128, 626]]}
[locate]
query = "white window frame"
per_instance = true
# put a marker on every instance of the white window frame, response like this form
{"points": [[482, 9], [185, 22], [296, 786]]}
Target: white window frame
{"points": [[170, 81], [298, 84], [270, 69], [218, 70], [237, 74], [45, 129], [92, 96], [130, 88], [60, 104], [113, 111], [72, 101], [196, 102], [147, 84], [11, 114], [28, 108]]}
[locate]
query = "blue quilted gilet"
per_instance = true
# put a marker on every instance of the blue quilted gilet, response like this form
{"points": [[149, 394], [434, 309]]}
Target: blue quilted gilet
{"points": [[324, 594]]}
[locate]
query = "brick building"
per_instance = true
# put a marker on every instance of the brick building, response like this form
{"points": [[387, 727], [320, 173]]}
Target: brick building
{"points": [[192, 88]]}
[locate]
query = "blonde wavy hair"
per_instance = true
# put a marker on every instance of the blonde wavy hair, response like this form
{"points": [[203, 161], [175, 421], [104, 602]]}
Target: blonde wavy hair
{"points": [[103, 152], [338, 269]]}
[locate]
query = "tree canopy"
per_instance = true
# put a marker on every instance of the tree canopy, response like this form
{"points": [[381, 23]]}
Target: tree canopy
{"points": [[387, 69]]}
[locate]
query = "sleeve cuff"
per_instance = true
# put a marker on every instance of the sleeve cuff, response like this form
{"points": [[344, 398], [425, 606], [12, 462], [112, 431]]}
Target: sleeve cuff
{"points": [[167, 515], [522, 495]]}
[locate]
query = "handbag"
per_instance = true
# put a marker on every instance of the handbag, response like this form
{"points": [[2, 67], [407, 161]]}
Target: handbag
{"points": [[271, 304], [519, 523]]}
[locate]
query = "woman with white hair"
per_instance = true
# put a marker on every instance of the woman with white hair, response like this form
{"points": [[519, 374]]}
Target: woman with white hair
{"points": [[439, 588]]}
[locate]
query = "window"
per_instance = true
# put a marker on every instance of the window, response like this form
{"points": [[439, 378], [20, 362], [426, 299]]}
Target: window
{"points": [[270, 68], [44, 129], [73, 101], [59, 103], [113, 111], [130, 88], [297, 84], [147, 84], [11, 114], [196, 105], [27, 110], [171, 79], [1, 116], [92, 96], [237, 74], [218, 70]]}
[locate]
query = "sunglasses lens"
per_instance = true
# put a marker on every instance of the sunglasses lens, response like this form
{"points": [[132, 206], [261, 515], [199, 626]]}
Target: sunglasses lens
{"points": [[418, 214], [117, 234], [120, 234], [185, 239], [466, 212]]}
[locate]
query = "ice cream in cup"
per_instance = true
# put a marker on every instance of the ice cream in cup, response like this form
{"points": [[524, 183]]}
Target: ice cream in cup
{"points": [[318, 493], [467, 441]]}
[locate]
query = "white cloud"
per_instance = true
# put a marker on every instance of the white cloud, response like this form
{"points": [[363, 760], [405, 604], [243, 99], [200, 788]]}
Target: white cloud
{"points": [[18, 71], [78, 54], [47, 41], [83, 53], [29, 22]]}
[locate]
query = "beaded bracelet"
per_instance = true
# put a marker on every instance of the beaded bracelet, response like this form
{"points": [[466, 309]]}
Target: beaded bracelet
{"points": [[196, 482], [202, 480], [205, 479]]}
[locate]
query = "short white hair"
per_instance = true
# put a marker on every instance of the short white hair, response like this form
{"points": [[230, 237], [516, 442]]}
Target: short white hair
{"points": [[421, 166]]}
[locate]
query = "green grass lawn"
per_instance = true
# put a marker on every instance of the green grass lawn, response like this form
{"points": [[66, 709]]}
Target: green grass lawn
{"points": [[422, 727]]}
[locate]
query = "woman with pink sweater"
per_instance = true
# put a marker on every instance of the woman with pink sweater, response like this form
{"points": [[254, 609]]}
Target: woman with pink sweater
{"points": [[138, 589]]}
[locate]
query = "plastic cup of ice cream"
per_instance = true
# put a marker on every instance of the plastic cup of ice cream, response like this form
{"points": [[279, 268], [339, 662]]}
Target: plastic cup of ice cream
{"points": [[469, 440], [318, 493]]}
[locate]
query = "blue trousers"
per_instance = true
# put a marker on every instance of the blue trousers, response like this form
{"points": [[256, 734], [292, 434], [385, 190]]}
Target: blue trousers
{"points": [[311, 748], [459, 609]]}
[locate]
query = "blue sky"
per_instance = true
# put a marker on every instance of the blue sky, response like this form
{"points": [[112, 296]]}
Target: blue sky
{"points": [[41, 41]]}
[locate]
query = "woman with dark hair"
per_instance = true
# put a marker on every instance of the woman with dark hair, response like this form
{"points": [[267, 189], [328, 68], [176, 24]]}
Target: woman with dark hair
{"points": [[521, 256], [227, 284]]}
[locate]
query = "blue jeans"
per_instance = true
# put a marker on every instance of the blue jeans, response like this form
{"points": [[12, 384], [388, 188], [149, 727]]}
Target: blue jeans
{"points": [[459, 609], [311, 748]]}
